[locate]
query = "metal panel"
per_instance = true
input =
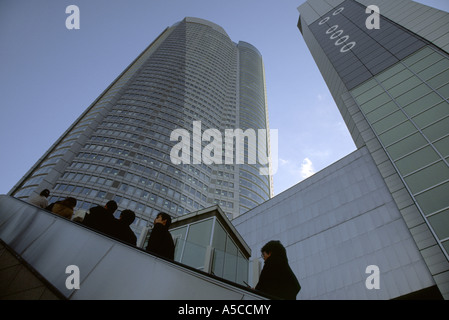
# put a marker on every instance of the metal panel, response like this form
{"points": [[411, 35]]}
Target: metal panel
{"points": [[21, 226], [62, 245], [139, 277]]}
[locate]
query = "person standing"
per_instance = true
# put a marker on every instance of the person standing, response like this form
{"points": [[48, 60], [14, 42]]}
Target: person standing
{"points": [[123, 231], [41, 199], [161, 241], [277, 278], [102, 218], [64, 208]]}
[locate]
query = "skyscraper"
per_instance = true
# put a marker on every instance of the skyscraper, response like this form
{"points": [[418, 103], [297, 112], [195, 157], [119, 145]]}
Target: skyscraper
{"points": [[389, 76], [152, 140]]}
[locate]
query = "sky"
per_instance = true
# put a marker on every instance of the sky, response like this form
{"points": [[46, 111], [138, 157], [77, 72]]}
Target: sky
{"points": [[49, 74]]}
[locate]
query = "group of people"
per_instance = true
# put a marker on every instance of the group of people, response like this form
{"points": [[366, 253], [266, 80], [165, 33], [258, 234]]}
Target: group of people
{"points": [[276, 278], [101, 218], [63, 208]]}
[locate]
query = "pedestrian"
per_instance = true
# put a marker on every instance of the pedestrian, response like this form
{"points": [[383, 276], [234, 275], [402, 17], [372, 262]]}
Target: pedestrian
{"points": [[122, 227], [102, 218], [64, 208], [161, 241], [41, 199], [277, 278]]}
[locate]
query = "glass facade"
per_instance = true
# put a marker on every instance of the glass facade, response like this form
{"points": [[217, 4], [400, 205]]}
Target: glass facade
{"points": [[407, 107], [358, 53], [253, 115], [120, 148], [400, 82], [391, 86], [209, 246]]}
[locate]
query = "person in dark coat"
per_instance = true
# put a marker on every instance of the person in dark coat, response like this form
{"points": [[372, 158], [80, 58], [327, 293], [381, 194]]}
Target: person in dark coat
{"points": [[122, 227], [161, 241], [102, 218], [277, 278]]}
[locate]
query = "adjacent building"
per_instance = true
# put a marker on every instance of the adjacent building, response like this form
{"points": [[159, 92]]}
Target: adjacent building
{"points": [[391, 85], [154, 140], [374, 225]]}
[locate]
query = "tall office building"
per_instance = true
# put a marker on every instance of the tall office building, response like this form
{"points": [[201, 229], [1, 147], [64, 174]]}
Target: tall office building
{"points": [[154, 140], [389, 76]]}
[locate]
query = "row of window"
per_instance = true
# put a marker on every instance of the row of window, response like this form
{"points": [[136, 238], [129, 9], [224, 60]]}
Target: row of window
{"points": [[134, 178], [150, 106], [247, 204], [260, 190], [251, 193], [201, 179]]}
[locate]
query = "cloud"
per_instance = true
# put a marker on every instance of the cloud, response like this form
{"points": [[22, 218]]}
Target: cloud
{"points": [[297, 171], [307, 168], [292, 172], [283, 162]]}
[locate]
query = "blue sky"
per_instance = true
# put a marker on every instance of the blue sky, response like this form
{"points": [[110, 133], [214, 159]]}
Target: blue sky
{"points": [[49, 75]]}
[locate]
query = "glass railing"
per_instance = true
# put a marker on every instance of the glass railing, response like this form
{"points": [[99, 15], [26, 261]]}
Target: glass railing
{"points": [[230, 266], [226, 265], [191, 254]]}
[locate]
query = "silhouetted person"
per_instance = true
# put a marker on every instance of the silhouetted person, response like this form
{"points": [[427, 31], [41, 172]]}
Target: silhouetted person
{"points": [[41, 199], [102, 218], [122, 227], [277, 278], [161, 241], [64, 208]]}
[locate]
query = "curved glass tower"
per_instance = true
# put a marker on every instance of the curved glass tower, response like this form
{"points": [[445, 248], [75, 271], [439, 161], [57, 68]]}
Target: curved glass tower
{"points": [[191, 80], [254, 187]]}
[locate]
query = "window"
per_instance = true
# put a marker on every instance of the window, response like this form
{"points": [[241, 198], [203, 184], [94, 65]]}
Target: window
{"points": [[427, 177], [416, 160], [396, 133], [433, 114], [101, 194], [440, 221], [406, 145], [434, 199], [437, 130], [389, 121]]}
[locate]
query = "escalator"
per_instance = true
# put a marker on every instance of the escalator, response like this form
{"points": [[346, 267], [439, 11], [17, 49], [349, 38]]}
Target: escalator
{"points": [[82, 264]]}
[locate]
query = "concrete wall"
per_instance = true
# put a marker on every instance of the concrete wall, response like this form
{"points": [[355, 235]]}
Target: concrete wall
{"points": [[335, 224]]}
